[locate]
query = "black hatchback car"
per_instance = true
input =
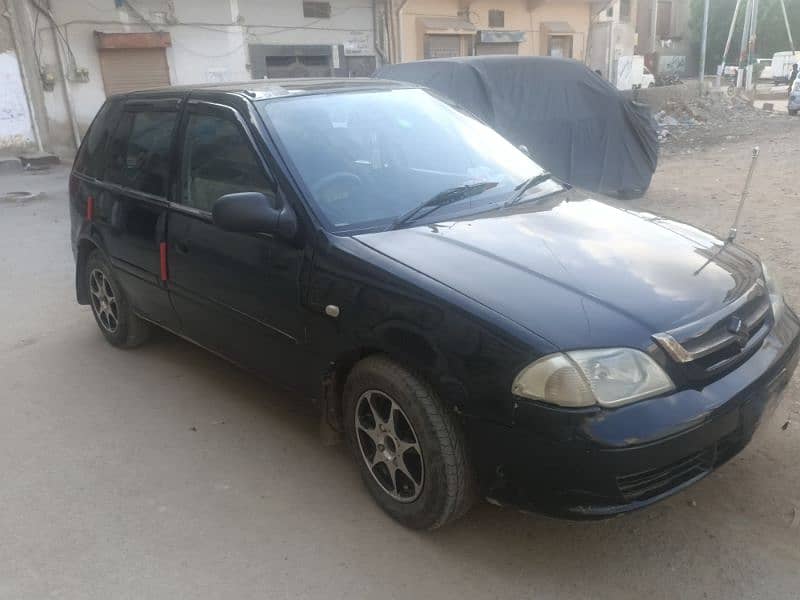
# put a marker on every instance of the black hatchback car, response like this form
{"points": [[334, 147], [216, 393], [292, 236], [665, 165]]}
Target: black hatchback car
{"points": [[472, 326]]}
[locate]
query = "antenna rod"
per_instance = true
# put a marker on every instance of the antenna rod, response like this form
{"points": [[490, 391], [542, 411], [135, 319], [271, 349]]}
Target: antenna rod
{"points": [[734, 230]]}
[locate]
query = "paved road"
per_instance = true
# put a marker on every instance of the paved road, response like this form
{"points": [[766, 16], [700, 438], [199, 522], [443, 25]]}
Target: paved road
{"points": [[109, 492]]}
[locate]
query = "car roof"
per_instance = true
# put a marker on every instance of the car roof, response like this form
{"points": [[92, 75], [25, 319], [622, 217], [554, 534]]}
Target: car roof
{"points": [[271, 88]]}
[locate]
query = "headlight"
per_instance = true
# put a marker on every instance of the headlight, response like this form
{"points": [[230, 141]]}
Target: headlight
{"points": [[775, 294], [608, 377]]}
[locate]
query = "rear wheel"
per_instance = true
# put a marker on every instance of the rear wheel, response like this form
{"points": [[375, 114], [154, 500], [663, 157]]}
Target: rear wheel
{"points": [[410, 450], [111, 308]]}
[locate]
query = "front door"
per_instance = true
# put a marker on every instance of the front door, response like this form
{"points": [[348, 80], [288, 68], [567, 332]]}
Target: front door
{"points": [[237, 294], [132, 201]]}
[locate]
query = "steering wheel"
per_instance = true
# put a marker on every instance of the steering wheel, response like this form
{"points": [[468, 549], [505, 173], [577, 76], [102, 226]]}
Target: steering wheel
{"points": [[334, 191], [347, 182]]}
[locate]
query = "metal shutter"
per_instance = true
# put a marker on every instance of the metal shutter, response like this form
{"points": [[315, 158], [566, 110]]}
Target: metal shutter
{"points": [[442, 46], [486, 49], [131, 69], [280, 67]]}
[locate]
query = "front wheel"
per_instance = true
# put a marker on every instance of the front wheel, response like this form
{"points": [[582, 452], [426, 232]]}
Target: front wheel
{"points": [[410, 451], [111, 308]]}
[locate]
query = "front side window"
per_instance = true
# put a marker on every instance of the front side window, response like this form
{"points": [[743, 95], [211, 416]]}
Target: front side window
{"points": [[368, 157], [217, 160], [140, 151]]}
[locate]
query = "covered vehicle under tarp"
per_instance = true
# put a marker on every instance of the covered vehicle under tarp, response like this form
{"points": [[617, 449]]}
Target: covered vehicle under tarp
{"points": [[574, 123]]}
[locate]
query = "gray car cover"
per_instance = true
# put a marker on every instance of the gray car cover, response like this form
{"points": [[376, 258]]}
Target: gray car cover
{"points": [[574, 123]]}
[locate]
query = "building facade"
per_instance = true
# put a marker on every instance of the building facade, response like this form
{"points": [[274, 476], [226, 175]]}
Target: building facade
{"points": [[83, 52], [613, 36], [60, 59], [445, 28], [16, 122], [663, 35]]}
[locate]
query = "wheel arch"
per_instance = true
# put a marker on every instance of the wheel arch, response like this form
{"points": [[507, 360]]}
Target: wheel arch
{"points": [[402, 345], [85, 247]]}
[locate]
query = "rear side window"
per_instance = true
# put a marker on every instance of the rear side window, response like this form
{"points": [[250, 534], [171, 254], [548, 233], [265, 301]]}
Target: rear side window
{"points": [[140, 151], [91, 157], [217, 160]]}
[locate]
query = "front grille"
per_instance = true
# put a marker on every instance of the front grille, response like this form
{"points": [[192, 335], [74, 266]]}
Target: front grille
{"points": [[713, 345], [651, 483]]}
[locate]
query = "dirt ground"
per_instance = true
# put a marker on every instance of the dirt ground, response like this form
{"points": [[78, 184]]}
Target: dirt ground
{"points": [[166, 473]]}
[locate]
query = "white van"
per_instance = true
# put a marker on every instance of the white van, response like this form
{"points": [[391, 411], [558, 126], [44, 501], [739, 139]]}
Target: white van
{"points": [[782, 65], [766, 71]]}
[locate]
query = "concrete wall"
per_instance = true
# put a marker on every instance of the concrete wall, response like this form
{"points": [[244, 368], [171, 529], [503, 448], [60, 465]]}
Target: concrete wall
{"points": [[16, 131], [658, 97], [517, 18], [210, 42]]}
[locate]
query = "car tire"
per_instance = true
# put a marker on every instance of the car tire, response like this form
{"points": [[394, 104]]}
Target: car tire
{"points": [[111, 308], [433, 482], [793, 112]]}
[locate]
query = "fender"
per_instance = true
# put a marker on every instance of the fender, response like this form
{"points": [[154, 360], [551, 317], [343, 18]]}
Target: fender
{"points": [[89, 239]]}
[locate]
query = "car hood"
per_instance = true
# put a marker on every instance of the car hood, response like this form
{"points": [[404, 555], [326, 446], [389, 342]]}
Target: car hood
{"points": [[579, 273]]}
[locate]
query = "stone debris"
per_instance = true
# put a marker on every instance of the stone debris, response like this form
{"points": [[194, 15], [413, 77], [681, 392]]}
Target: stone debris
{"points": [[688, 126]]}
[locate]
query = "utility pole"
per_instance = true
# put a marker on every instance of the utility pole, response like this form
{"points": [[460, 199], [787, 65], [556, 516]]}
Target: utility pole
{"points": [[751, 48], [728, 42], [703, 43], [788, 29], [743, 47], [751, 42], [612, 48], [653, 24]]}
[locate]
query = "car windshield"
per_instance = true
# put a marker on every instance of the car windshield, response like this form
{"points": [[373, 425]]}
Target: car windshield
{"points": [[369, 157]]}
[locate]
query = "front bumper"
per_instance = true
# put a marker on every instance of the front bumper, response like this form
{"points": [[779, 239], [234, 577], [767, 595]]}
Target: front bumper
{"points": [[595, 463]]}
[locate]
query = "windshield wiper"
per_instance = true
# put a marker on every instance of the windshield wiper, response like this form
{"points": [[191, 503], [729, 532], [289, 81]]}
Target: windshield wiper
{"points": [[523, 187], [443, 198]]}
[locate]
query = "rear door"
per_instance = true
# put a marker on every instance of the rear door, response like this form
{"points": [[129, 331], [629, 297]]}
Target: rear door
{"points": [[237, 294], [131, 205]]}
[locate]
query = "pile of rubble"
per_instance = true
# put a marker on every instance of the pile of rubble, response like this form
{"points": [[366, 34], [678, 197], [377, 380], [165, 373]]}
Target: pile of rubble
{"points": [[713, 118]]}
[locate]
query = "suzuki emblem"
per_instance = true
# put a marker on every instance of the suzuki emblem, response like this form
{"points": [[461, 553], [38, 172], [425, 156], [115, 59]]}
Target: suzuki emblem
{"points": [[737, 327]]}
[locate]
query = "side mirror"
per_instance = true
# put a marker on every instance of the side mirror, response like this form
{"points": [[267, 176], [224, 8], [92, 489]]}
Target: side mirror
{"points": [[254, 212]]}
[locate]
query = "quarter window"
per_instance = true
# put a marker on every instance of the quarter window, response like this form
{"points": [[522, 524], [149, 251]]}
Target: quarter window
{"points": [[217, 160], [91, 157], [140, 151]]}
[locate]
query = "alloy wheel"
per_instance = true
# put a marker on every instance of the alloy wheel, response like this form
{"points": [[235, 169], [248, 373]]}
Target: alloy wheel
{"points": [[389, 446], [104, 300]]}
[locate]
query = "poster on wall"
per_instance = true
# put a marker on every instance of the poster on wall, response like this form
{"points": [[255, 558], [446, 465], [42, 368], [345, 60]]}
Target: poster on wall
{"points": [[218, 75], [357, 43]]}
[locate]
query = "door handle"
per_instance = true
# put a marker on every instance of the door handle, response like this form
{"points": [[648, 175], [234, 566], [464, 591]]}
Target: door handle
{"points": [[182, 247]]}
